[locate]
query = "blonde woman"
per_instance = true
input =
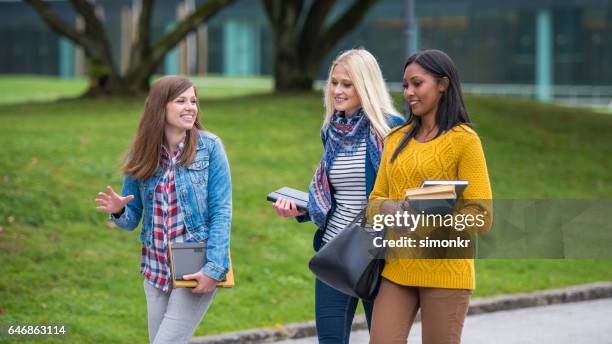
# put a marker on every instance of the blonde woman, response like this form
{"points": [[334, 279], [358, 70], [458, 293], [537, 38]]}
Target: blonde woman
{"points": [[358, 115]]}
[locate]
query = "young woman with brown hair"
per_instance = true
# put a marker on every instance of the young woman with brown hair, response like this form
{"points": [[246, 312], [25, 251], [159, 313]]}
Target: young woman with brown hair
{"points": [[177, 180]]}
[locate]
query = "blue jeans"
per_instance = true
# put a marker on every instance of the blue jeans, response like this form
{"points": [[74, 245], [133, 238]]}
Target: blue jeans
{"points": [[334, 314]]}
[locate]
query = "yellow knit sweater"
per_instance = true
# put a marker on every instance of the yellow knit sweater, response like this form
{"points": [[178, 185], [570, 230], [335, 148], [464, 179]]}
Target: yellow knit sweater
{"points": [[456, 154]]}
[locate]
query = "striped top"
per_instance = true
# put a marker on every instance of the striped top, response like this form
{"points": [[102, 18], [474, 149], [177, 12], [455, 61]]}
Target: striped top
{"points": [[348, 179]]}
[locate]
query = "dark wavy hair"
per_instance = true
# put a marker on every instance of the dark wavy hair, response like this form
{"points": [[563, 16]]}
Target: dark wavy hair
{"points": [[451, 107]]}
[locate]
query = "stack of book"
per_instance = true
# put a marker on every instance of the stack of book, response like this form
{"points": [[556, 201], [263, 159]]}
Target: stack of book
{"points": [[435, 196], [432, 192]]}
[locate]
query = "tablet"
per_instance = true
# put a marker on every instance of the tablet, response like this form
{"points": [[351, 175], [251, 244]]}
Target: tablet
{"points": [[299, 197]]}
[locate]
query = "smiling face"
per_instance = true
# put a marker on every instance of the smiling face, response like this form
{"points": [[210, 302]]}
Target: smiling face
{"points": [[422, 91], [181, 112], [343, 92]]}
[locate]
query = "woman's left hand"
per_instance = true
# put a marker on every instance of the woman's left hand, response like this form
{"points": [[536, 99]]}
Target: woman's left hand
{"points": [[205, 284]]}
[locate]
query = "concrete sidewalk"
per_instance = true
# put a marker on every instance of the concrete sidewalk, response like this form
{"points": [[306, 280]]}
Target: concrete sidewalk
{"points": [[570, 323], [511, 311]]}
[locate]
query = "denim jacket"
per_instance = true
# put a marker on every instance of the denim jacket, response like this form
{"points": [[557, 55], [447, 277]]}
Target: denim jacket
{"points": [[392, 121], [204, 193]]}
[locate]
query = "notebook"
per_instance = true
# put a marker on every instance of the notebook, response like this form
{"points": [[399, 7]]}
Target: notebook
{"points": [[188, 258]]}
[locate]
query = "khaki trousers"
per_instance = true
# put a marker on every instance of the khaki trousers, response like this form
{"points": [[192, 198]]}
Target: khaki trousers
{"points": [[442, 313]]}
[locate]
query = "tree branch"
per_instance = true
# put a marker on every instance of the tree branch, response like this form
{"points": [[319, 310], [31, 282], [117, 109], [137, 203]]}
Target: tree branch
{"points": [[56, 23], [92, 41], [95, 33], [93, 26], [144, 23], [272, 8], [190, 23], [314, 23], [343, 25], [142, 45], [283, 14]]}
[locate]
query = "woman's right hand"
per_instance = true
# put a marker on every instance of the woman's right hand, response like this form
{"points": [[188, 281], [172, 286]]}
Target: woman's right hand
{"points": [[286, 208], [112, 203]]}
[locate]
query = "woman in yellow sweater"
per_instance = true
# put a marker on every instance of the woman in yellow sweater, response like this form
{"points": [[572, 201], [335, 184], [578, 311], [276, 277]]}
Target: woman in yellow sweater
{"points": [[436, 143]]}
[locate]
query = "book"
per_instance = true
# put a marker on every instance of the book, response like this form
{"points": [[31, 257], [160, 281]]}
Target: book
{"points": [[299, 197], [188, 258], [431, 192], [436, 196], [460, 185]]}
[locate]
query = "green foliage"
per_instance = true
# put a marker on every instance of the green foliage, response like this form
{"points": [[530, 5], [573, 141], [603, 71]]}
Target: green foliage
{"points": [[62, 264]]}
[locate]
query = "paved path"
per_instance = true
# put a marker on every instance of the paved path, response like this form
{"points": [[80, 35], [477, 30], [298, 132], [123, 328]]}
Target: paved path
{"points": [[570, 323]]}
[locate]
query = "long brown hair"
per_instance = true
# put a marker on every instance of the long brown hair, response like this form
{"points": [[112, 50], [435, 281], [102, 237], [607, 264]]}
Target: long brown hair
{"points": [[144, 155]]}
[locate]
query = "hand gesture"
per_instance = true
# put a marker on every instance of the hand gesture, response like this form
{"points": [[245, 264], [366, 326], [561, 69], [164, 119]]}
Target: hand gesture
{"points": [[286, 208], [111, 203], [205, 284]]}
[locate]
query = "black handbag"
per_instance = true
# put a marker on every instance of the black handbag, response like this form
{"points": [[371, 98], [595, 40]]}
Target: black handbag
{"points": [[350, 262]]}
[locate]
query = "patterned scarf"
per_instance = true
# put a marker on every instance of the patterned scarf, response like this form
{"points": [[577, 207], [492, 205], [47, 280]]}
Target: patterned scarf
{"points": [[343, 134]]}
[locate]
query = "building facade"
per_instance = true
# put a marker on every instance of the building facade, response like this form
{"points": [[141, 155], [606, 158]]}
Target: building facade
{"points": [[542, 48]]}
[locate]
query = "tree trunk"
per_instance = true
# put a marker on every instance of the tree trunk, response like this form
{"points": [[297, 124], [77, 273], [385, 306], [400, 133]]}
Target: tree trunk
{"points": [[110, 86], [104, 81], [302, 40], [290, 74]]}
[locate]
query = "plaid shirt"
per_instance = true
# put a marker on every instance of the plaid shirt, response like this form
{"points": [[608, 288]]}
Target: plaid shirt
{"points": [[167, 225]]}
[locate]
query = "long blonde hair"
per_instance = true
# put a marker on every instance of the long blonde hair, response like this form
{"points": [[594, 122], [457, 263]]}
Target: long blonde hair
{"points": [[370, 86], [144, 155]]}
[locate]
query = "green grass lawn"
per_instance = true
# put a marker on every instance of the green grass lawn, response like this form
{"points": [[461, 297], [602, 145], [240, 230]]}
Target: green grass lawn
{"points": [[62, 264], [604, 109], [16, 89], [20, 88]]}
